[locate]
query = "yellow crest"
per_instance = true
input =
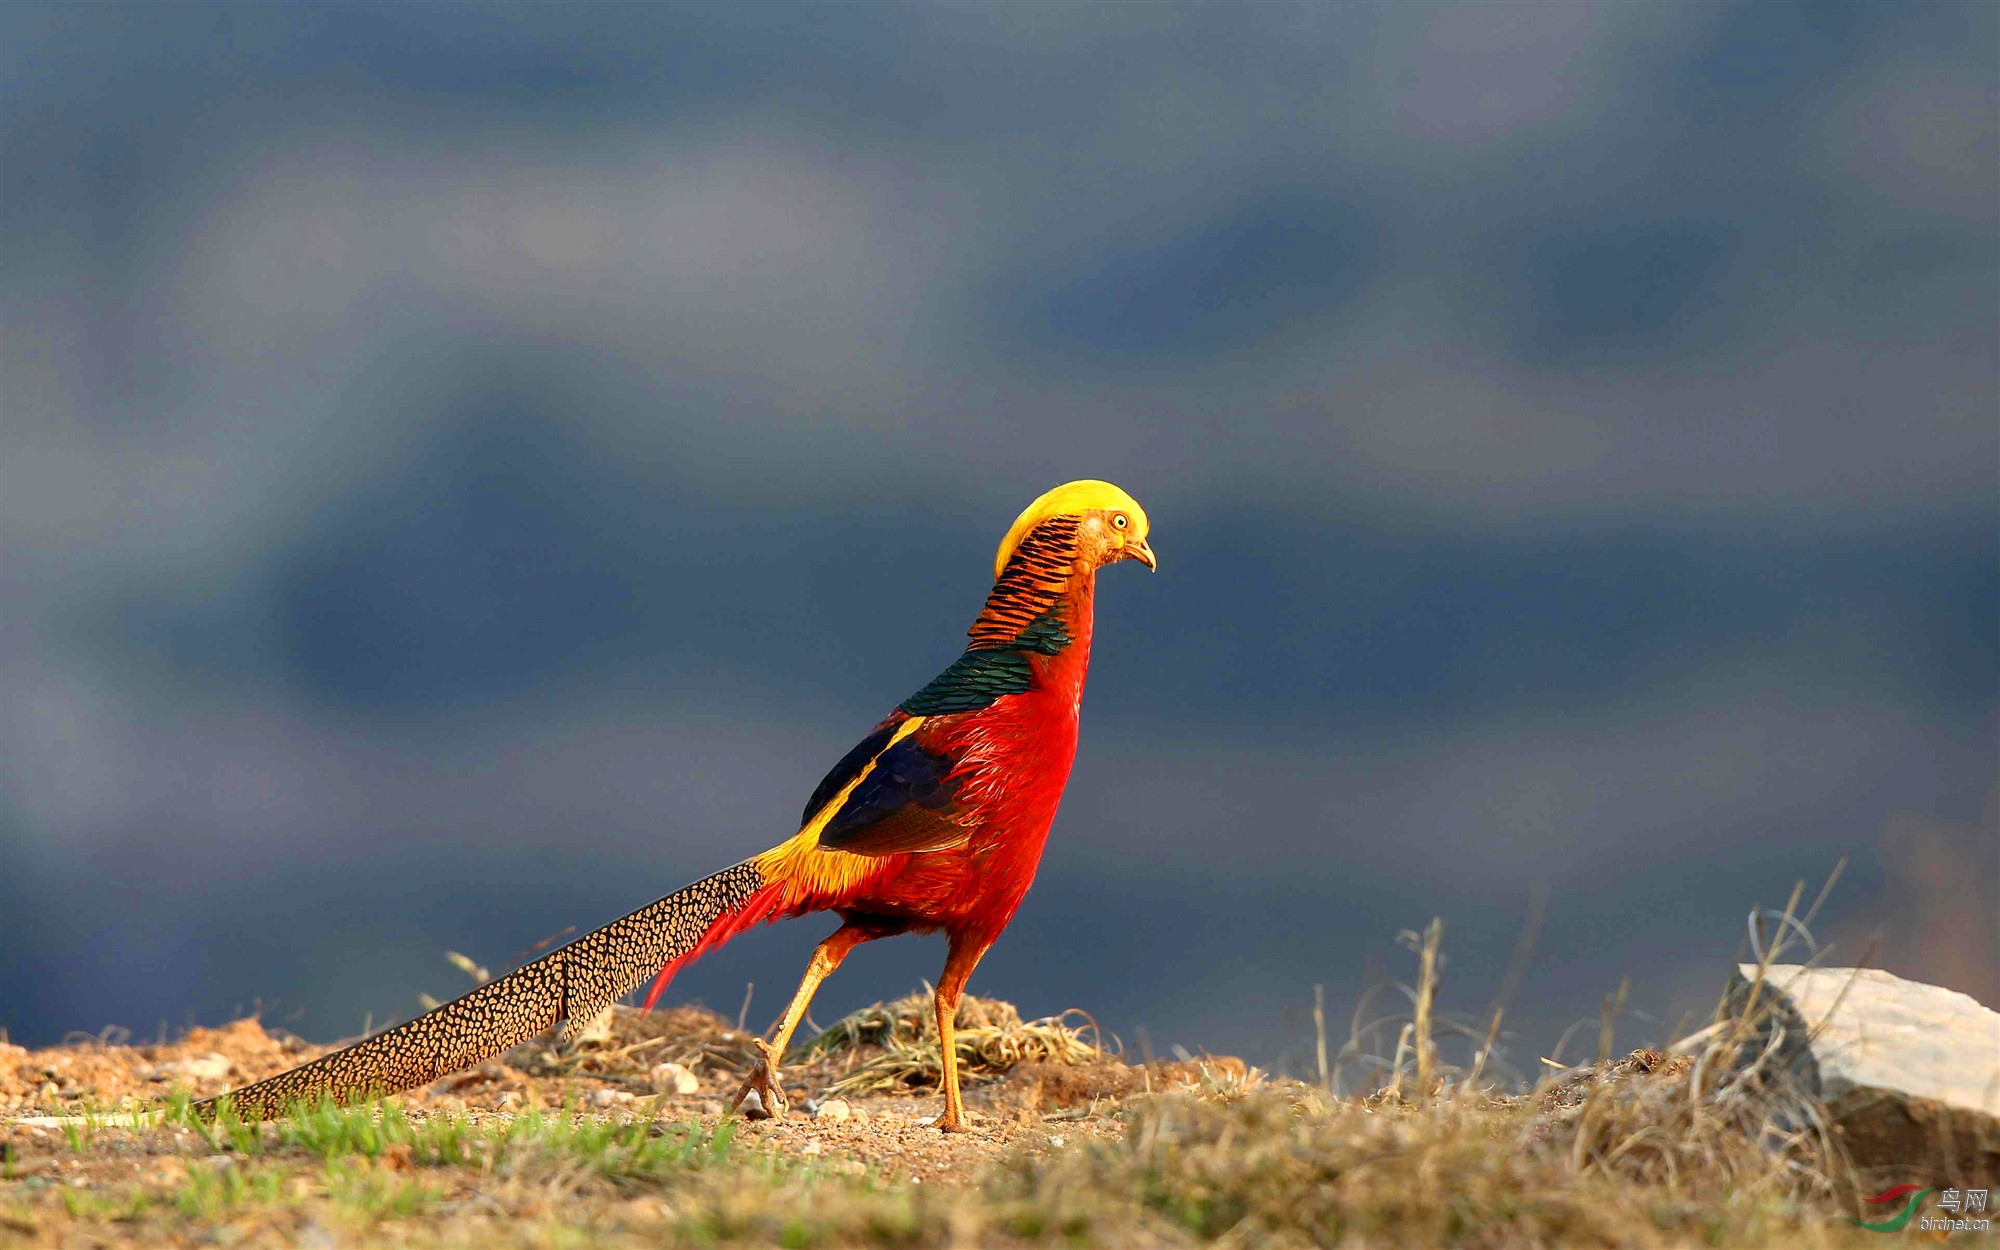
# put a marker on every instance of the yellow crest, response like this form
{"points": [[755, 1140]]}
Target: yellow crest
{"points": [[1066, 500]]}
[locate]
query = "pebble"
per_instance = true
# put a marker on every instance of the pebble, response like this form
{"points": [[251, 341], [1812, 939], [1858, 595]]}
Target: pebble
{"points": [[672, 1078], [609, 1098], [598, 1030], [834, 1109]]}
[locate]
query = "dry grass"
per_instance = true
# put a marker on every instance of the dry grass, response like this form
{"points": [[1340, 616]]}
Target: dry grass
{"points": [[1713, 1145], [1285, 1168], [1277, 1167], [895, 1045], [1707, 1144]]}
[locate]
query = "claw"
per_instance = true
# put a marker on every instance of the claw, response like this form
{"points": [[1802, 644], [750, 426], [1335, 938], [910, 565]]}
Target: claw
{"points": [[761, 1097]]}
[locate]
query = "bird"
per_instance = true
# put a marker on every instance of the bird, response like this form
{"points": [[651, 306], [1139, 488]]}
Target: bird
{"points": [[935, 821]]}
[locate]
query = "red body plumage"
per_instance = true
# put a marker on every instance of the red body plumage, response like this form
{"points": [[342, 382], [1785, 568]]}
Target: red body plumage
{"points": [[1013, 761]]}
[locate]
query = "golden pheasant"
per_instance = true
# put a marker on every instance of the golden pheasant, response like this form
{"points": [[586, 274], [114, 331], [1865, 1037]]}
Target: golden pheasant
{"points": [[934, 821]]}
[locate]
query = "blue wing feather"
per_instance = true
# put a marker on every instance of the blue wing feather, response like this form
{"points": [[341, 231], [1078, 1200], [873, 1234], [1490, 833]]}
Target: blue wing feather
{"points": [[850, 766], [903, 805]]}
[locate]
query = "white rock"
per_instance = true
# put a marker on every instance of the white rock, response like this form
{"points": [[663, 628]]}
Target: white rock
{"points": [[1910, 1072], [834, 1109], [602, 1098], [672, 1078]]}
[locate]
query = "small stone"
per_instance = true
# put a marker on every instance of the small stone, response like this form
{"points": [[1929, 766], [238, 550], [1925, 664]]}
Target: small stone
{"points": [[603, 1098], [812, 1148], [753, 1106], [1057, 1141], [834, 1109], [596, 1032], [672, 1078], [711, 1107]]}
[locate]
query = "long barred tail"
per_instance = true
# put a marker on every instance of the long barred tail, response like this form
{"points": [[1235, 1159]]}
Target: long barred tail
{"points": [[572, 983]]}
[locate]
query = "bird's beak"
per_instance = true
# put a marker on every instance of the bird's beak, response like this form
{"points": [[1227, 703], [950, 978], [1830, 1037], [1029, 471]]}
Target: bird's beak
{"points": [[1143, 553]]}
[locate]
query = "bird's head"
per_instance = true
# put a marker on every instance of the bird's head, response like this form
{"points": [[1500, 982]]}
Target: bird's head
{"points": [[1111, 526]]}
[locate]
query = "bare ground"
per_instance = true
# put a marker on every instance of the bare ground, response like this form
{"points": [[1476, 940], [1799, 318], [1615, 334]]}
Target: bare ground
{"points": [[599, 1146]]}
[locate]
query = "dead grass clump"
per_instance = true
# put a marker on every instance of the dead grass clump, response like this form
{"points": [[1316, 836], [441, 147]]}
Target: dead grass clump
{"points": [[894, 1045], [1725, 1109], [1713, 1141], [624, 1044], [1283, 1166], [1044, 1085]]}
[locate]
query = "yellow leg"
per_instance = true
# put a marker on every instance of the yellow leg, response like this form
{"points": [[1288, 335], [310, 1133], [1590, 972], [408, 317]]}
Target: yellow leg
{"points": [[959, 962], [764, 1074]]}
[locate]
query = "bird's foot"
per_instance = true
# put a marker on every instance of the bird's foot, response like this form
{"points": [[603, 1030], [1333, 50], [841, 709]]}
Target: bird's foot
{"points": [[761, 1097]]}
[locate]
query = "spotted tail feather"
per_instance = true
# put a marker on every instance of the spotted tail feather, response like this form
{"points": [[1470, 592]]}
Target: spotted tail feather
{"points": [[572, 984]]}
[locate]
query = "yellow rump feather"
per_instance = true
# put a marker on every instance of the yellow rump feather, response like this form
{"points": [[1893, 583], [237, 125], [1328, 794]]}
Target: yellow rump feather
{"points": [[801, 867]]}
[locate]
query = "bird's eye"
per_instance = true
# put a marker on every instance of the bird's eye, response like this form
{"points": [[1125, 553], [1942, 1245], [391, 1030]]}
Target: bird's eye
{"points": [[1118, 519]]}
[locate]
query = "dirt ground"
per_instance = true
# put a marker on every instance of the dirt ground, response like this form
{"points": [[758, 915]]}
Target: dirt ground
{"points": [[617, 1073], [622, 1140]]}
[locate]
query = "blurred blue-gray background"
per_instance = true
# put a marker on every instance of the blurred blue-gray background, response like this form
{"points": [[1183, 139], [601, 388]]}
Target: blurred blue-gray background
{"points": [[469, 470]]}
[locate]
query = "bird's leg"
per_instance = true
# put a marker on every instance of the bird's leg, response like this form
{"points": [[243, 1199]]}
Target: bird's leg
{"points": [[959, 962], [763, 1076]]}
